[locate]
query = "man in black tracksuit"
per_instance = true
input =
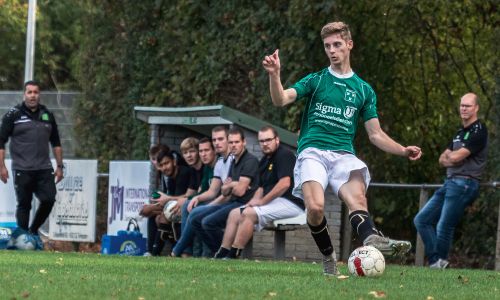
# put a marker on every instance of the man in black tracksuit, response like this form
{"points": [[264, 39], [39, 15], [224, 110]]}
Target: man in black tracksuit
{"points": [[31, 126]]}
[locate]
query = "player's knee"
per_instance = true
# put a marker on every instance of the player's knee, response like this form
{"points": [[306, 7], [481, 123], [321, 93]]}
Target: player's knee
{"points": [[315, 212]]}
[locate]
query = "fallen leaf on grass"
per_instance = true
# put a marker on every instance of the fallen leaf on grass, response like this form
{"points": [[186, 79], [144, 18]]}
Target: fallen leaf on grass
{"points": [[272, 294], [141, 298], [341, 277], [463, 279], [378, 294], [429, 298], [25, 294], [43, 271], [401, 286]]}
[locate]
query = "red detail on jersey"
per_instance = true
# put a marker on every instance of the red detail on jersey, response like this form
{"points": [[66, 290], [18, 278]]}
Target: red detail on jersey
{"points": [[357, 264]]}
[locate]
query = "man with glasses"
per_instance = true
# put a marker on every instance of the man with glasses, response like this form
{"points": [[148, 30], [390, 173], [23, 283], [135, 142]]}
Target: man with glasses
{"points": [[464, 160], [273, 199]]}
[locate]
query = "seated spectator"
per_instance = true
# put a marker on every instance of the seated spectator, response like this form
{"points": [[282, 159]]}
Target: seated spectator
{"points": [[239, 187], [178, 184], [189, 151], [208, 158], [273, 199], [208, 192], [152, 210]]}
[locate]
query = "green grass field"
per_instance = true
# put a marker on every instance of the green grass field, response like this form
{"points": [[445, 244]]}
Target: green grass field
{"points": [[52, 275]]}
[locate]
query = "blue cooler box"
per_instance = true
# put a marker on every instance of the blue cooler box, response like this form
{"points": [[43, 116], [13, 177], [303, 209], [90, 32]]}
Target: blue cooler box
{"points": [[125, 244]]}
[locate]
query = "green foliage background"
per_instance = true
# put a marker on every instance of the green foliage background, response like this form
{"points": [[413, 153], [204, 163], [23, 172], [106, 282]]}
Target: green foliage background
{"points": [[419, 56]]}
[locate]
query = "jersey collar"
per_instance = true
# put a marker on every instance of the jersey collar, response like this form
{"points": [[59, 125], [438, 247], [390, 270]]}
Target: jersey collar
{"points": [[341, 76]]}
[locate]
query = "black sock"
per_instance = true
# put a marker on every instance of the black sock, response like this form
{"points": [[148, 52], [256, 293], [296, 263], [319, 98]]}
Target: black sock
{"points": [[362, 224], [234, 253], [321, 236], [221, 253]]}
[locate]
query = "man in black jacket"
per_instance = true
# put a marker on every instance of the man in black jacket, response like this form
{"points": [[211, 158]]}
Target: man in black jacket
{"points": [[31, 127]]}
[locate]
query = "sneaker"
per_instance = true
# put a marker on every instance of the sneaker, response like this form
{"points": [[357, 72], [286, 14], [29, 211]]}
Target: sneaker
{"points": [[11, 244], [440, 264], [387, 246], [330, 265], [38, 242], [147, 254]]}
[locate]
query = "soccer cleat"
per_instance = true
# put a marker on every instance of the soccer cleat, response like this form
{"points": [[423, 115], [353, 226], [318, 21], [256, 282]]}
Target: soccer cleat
{"points": [[440, 264], [387, 246], [330, 265], [38, 242]]}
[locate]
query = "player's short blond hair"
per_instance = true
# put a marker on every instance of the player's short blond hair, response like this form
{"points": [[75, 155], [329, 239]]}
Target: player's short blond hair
{"points": [[336, 28], [189, 143]]}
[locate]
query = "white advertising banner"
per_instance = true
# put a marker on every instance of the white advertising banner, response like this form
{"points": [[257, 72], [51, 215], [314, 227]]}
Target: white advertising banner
{"points": [[73, 217], [128, 192], [8, 200]]}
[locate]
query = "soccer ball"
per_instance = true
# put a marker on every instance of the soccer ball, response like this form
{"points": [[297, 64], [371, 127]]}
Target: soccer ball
{"points": [[366, 261], [25, 242], [167, 212]]}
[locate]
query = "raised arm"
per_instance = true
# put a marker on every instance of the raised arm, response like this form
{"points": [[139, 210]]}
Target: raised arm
{"points": [[280, 96], [380, 139]]}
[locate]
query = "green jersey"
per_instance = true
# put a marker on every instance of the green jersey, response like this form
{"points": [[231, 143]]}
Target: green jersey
{"points": [[334, 104], [206, 178]]}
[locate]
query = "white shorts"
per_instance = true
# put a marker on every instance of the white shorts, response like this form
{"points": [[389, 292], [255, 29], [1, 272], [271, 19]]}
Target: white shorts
{"points": [[327, 168], [279, 208]]}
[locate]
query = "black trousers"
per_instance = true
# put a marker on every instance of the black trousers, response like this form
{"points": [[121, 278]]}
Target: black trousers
{"points": [[42, 184]]}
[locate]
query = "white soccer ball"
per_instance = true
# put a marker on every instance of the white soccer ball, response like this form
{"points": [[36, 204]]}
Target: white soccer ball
{"points": [[366, 261], [25, 242], [167, 212]]}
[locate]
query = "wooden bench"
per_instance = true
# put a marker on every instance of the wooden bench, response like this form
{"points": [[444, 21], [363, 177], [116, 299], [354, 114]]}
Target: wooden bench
{"points": [[280, 227]]}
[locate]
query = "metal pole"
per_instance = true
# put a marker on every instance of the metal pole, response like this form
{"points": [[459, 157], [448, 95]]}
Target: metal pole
{"points": [[497, 255], [30, 42], [419, 248]]}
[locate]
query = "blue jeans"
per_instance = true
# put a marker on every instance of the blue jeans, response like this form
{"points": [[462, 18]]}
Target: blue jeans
{"points": [[185, 243], [209, 223], [437, 220]]}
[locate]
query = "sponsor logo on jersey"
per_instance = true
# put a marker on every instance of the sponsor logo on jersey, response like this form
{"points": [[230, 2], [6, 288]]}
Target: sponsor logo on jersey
{"points": [[350, 95], [349, 112], [339, 83], [328, 109], [45, 117]]}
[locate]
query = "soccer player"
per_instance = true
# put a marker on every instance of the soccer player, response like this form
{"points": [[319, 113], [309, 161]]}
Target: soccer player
{"points": [[336, 98]]}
